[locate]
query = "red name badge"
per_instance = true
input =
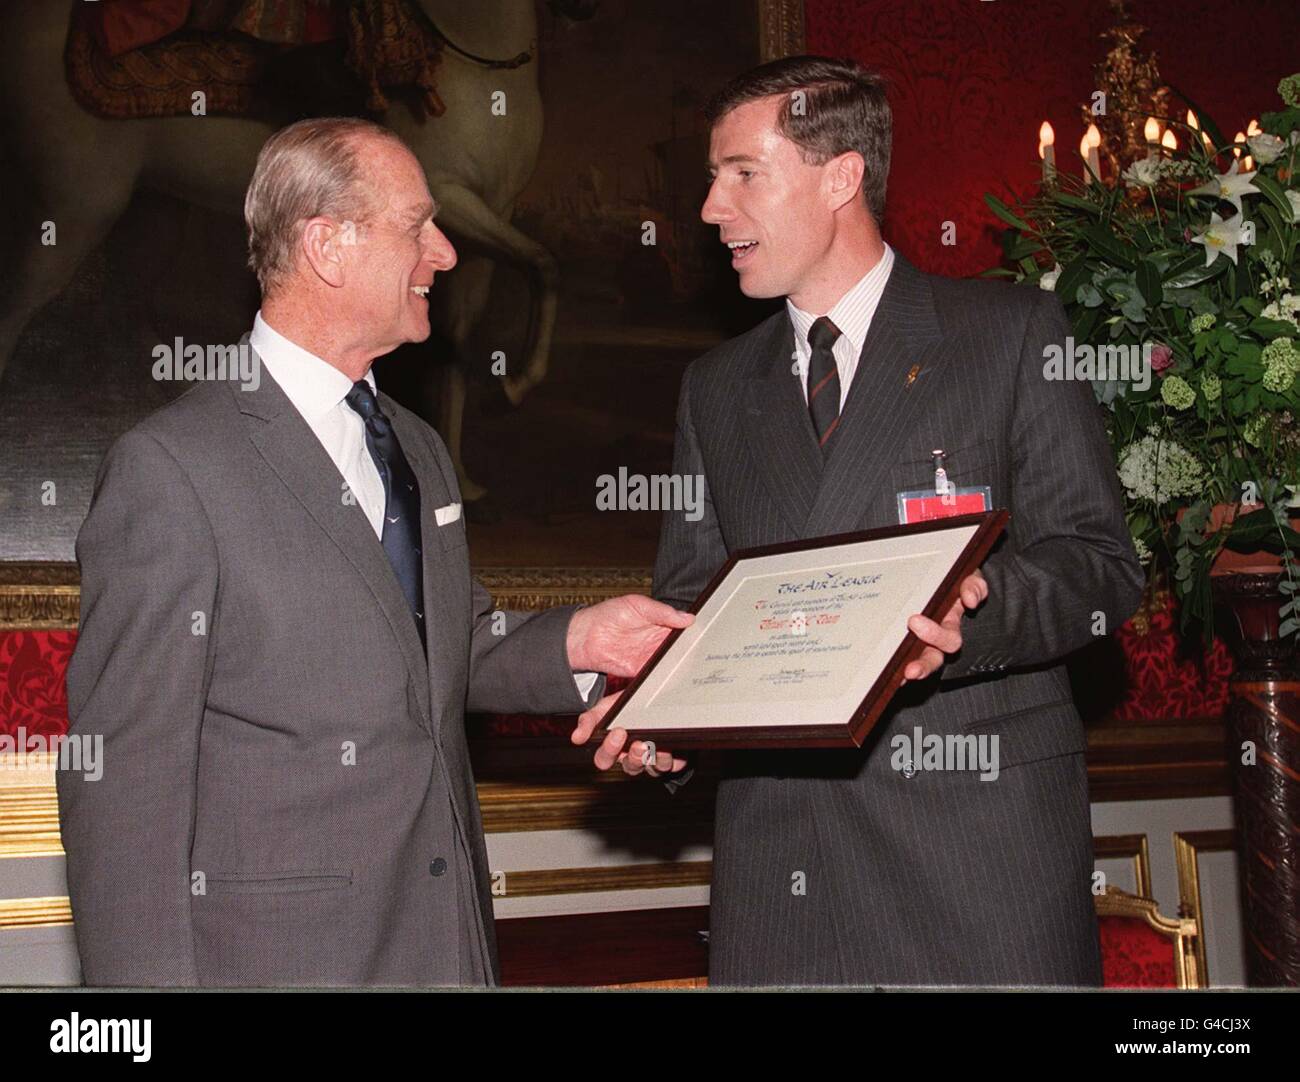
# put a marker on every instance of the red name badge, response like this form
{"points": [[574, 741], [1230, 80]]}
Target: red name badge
{"points": [[924, 505]]}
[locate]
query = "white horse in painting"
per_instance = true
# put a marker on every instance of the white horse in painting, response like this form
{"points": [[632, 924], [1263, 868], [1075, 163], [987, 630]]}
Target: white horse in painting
{"points": [[81, 171]]}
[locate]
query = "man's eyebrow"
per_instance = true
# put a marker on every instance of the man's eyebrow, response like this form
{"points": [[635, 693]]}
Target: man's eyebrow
{"points": [[423, 211], [734, 159]]}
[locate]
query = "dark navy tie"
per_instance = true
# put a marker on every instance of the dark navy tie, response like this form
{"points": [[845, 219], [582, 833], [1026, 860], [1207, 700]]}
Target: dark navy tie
{"points": [[401, 532], [823, 381]]}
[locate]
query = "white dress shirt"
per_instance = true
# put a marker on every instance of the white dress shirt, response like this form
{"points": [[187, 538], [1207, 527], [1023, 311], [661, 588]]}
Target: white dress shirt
{"points": [[852, 314], [319, 391]]}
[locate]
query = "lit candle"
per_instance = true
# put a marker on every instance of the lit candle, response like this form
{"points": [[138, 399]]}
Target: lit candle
{"points": [[1151, 133], [1086, 150], [1240, 140], [1047, 151], [1195, 125], [1089, 151], [1169, 141], [1253, 128]]}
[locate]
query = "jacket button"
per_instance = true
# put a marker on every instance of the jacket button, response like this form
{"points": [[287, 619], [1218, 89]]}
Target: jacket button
{"points": [[437, 866]]}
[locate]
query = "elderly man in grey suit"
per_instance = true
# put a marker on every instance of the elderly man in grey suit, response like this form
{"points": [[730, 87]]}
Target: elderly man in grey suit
{"points": [[280, 635], [868, 867]]}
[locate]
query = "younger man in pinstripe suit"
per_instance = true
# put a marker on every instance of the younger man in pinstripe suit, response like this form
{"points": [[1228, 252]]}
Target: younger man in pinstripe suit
{"points": [[853, 867]]}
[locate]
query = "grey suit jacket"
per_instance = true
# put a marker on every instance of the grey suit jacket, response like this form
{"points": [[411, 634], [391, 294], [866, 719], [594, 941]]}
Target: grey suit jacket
{"points": [[833, 866], [286, 795]]}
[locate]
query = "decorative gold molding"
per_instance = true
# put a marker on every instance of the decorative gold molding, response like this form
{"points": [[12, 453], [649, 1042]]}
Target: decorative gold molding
{"points": [[530, 588], [34, 913], [1188, 845], [1112, 846], [780, 29], [29, 807], [39, 596], [44, 596], [526, 884]]}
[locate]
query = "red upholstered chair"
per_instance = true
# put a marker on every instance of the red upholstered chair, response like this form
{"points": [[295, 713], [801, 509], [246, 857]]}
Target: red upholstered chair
{"points": [[1142, 949]]}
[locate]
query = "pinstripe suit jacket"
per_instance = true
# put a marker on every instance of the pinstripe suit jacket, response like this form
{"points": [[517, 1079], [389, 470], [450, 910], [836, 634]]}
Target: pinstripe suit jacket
{"points": [[832, 866]]}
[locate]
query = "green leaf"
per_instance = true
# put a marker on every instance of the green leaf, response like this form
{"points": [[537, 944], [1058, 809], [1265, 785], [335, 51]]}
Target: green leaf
{"points": [[1105, 242], [1068, 200], [1089, 296], [1258, 530], [1003, 211], [1184, 298], [1086, 323], [1197, 275], [1148, 282], [1272, 328], [1274, 194], [1073, 275]]}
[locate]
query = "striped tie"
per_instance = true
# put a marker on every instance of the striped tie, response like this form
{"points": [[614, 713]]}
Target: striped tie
{"points": [[823, 381]]}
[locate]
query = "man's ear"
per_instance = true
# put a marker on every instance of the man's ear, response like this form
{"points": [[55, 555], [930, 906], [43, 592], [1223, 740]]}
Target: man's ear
{"points": [[842, 179], [322, 244]]}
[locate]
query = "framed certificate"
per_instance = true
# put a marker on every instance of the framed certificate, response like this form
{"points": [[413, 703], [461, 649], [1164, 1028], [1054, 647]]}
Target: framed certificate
{"points": [[803, 644]]}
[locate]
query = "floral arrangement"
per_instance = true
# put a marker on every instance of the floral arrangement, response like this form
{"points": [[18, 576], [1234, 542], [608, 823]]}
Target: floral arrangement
{"points": [[1177, 276]]}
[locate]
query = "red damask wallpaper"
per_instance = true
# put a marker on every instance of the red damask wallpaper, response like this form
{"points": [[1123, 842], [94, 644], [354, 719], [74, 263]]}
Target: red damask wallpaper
{"points": [[1161, 680], [972, 80], [32, 692]]}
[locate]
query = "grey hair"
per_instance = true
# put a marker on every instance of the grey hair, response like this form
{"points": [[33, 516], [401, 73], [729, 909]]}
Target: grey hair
{"points": [[311, 168]]}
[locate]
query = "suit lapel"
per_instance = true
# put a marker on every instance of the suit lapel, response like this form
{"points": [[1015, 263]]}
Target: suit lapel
{"points": [[778, 428], [445, 655], [883, 401], [290, 448]]}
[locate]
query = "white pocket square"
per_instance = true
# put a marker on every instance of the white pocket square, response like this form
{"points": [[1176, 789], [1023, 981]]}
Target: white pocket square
{"points": [[447, 514]]}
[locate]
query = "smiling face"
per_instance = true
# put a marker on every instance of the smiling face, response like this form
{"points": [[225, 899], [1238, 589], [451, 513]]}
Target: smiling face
{"points": [[771, 207], [398, 250]]}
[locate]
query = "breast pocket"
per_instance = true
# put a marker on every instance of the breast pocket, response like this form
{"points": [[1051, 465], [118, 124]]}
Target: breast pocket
{"points": [[452, 534], [972, 464], [291, 882]]}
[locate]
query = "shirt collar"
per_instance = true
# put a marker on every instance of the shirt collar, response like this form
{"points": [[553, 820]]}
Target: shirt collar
{"points": [[852, 312], [313, 385]]}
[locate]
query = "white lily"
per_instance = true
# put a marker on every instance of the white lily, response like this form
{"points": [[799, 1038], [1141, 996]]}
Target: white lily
{"points": [[1048, 279], [1221, 236], [1231, 186], [1294, 199]]}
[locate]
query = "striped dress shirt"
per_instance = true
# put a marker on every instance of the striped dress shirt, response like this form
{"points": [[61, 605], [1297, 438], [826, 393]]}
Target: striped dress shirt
{"points": [[852, 315]]}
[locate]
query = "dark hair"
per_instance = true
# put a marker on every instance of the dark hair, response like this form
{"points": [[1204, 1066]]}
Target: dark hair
{"points": [[843, 107]]}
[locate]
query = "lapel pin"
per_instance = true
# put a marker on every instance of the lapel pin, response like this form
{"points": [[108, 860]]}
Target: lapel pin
{"points": [[911, 376]]}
